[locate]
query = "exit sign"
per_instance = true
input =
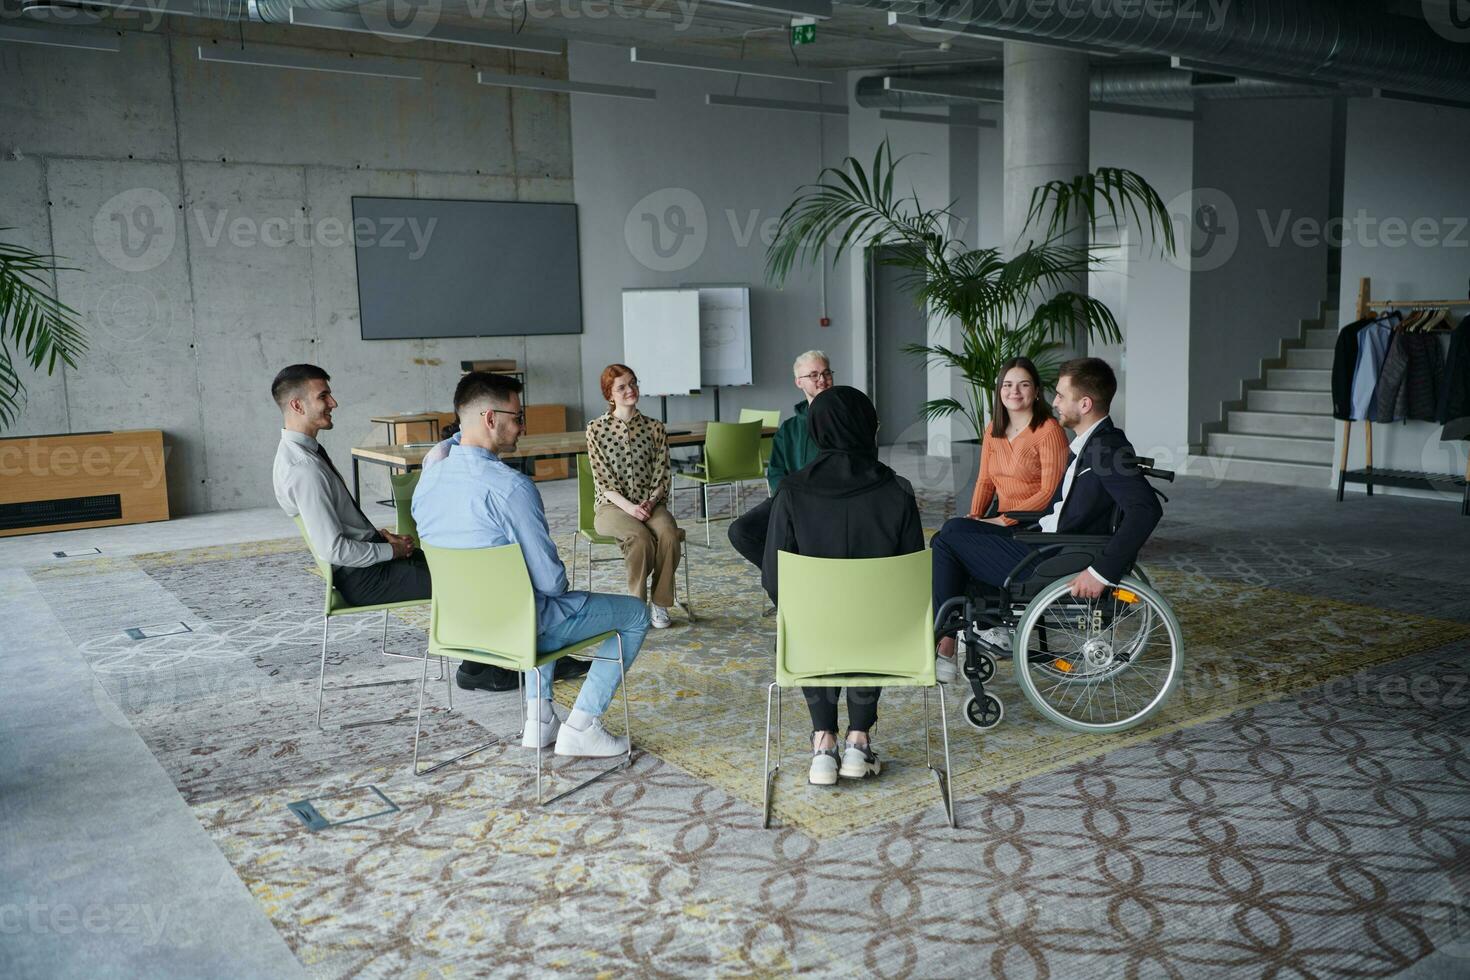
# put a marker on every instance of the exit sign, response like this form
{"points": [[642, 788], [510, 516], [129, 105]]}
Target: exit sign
{"points": [[803, 30]]}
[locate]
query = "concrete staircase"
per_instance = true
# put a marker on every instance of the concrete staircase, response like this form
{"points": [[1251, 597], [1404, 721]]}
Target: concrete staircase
{"points": [[1281, 429]]}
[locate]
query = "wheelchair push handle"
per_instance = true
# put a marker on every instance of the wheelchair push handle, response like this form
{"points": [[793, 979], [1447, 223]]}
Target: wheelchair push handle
{"points": [[1146, 465]]}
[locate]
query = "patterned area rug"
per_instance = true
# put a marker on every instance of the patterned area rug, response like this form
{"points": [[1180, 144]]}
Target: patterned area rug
{"points": [[1261, 823]]}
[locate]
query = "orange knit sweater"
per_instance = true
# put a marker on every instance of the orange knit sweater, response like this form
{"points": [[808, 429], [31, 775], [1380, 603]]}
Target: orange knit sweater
{"points": [[1024, 471]]}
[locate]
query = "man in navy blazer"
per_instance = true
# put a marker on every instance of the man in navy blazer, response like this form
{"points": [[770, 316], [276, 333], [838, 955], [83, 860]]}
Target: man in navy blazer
{"points": [[1102, 473]]}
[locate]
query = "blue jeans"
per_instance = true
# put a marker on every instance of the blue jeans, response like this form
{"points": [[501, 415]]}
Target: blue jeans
{"points": [[621, 613]]}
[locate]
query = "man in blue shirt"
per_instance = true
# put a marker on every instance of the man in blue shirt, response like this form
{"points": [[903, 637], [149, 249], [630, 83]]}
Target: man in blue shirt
{"points": [[473, 500]]}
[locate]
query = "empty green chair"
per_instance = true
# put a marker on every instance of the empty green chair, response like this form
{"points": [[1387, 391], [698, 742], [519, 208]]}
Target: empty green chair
{"points": [[587, 533], [336, 605], [770, 418], [484, 610], [855, 622], [731, 454], [403, 487]]}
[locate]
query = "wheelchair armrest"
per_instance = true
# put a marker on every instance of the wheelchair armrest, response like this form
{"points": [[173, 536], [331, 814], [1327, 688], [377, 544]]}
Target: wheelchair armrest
{"points": [[1025, 515], [1061, 540], [1050, 545]]}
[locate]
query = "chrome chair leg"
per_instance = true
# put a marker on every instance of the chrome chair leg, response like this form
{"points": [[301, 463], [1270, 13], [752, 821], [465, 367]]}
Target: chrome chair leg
{"points": [[321, 682], [946, 786], [419, 725], [704, 489], [627, 728], [688, 596], [772, 692]]}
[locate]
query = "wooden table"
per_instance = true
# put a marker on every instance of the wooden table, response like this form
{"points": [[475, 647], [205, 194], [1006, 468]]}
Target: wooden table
{"points": [[549, 445], [433, 419]]}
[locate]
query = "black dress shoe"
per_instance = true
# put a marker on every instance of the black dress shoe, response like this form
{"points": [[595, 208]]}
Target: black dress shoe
{"points": [[567, 667], [484, 677]]}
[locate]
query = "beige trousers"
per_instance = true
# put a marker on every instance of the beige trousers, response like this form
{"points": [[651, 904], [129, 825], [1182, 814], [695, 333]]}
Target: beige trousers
{"points": [[648, 548]]}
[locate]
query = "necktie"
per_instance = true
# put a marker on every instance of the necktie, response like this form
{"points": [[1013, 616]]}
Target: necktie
{"points": [[328, 460]]}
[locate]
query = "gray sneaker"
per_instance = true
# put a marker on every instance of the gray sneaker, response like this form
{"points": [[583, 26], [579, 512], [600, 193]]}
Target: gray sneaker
{"points": [[825, 764], [859, 762]]}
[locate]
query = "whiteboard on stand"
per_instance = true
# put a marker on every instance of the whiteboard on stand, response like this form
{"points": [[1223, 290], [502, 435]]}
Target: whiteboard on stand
{"points": [[724, 335], [661, 339]]}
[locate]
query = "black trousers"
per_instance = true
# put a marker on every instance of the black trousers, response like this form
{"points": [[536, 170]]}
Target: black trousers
{"points": [[399, 580], [965, 549], [862, 707], [748, 532]]}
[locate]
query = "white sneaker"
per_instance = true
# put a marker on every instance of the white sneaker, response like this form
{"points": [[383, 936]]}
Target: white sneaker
{"points": [[945, 671], [859, 762], [540, 735], [593, 742], [659, 617], [997, 636], [824, 768]]}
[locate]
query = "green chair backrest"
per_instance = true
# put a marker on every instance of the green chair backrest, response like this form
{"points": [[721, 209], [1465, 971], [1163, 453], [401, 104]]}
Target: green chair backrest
{"points": [[769, 418], [403, 487], [483, 603], [334, 598], [854, 616], [586, 494], [732, 452]]}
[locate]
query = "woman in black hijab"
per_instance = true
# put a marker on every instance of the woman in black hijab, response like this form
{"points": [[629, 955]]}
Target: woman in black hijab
{"points": [[844, 504]]}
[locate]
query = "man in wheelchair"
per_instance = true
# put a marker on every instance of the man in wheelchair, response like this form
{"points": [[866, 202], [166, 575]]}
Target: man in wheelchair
{"points": [[1101, 514]]}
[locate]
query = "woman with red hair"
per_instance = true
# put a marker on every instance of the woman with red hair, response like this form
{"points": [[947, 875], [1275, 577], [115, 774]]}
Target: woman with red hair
{"points": [[629, 453]]}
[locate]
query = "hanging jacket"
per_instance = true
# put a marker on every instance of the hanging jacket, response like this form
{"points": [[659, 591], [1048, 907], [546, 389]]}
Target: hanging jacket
{"points": [[1344, 362], [1372, 349], [1426, 361], [1454, 399], [1391, 399]]}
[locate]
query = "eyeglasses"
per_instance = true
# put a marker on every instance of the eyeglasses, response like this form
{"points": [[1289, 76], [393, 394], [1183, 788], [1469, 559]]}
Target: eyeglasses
{"points": [[816, 376], [520, 417]]}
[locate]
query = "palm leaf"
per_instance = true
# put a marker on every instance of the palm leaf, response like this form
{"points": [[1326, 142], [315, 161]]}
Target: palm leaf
{"points": [[33, 322]]}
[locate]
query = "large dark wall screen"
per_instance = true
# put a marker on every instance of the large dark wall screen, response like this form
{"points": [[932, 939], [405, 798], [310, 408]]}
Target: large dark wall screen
{"points": [[465, 268]]}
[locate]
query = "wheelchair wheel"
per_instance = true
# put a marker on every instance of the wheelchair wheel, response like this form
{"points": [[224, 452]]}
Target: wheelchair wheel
{"points": [[984, 715], [984, 666], [1101, 665]]}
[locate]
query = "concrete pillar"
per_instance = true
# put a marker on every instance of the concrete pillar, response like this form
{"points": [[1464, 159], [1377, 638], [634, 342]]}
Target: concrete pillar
{"points": [[1046, 124]]}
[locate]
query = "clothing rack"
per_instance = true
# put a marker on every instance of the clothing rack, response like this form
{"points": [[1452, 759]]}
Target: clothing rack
{"points": [[1412, 479]]}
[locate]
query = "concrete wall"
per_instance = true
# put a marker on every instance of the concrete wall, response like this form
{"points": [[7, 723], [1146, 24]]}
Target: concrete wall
{"points": [[190, 314], [1154, 364], [1405, 227], [732, 171], [1262, 164]]}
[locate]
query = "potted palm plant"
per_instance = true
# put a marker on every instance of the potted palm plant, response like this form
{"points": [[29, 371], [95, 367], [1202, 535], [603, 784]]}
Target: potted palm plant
{"points": [[1026, 304], [33, 322]]}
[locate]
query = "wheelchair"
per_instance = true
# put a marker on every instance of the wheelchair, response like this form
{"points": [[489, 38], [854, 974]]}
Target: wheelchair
{"points": [[1103, 665]]}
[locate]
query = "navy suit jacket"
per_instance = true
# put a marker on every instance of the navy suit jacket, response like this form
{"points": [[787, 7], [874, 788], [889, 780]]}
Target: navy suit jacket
{"points": [[1108, 476]]}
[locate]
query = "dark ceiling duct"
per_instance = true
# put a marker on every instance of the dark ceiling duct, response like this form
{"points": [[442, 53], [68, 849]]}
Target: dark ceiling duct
{"points": [[1320, 41], [1131, 85]]}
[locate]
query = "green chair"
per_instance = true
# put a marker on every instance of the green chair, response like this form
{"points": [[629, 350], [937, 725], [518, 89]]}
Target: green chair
{"points": [[770, 418], [731, 454], [336, 605], [860, 622], [403, 487], [587, 533], [484, 610]]}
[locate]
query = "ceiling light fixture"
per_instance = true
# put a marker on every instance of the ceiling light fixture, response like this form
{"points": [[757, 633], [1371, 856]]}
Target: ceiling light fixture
{"points": [[947, 29], [817, 9], [352, 20], [780, 105], [87, 40], [896, 115], [760, 69], [299, 60], [560, 85]]}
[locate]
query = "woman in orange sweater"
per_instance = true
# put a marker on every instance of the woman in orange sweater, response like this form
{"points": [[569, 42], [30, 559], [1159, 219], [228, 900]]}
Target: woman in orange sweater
{"points": [[1022, 461]]}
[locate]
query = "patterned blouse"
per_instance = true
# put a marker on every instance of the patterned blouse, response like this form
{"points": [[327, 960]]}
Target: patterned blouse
{"points": [[630, 458]]}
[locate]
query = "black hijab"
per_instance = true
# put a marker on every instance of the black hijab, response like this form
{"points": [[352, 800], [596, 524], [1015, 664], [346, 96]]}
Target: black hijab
{"points": [[844, 425]]}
